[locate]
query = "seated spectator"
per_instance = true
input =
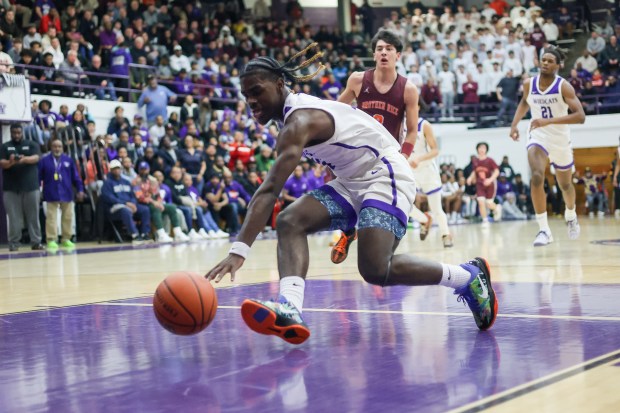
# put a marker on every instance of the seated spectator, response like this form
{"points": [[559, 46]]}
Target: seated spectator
{"points": [[157, 131], [119, 122], [168, 154], [295, 187], [120, 203], [507, 169], [219, 204], [189, 109], [510, 208], [146, 189], [431, 98], [595, 44], [208, 228], [610, 56], [239, 149], [451, 197], [612, 92], [183, 84], [524, 199], [179, 61], [219, 167], [587, 62], [152, 159], [182, 200], [237, 197], [503, 187], [595, 192], [253, 182], [48, 73], [46, 119], [239, 173], [565, 23], [193, 162], [315, 177], [331, 88], [128, 172]]}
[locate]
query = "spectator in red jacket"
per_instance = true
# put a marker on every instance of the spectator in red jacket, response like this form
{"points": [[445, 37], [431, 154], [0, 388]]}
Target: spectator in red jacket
{"points": [[239, 150]]}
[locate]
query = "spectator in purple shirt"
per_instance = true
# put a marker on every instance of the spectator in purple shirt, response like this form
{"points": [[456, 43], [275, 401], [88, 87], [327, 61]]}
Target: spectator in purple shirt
{"points": [[315, 177], [182, 83], [503, 187], [295, 187], [331, 89], [59, 175]]}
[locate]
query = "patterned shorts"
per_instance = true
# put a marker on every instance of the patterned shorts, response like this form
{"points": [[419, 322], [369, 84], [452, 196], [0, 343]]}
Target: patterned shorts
{"points": [[369, 217]]}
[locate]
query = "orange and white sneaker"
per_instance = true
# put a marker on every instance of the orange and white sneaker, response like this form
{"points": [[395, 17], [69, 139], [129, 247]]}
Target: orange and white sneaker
{"points": [[340, 251], [277, 318], [425, 227]]}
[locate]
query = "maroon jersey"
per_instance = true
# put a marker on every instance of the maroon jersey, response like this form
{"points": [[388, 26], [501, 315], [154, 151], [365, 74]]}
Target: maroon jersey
{"points": [[484, 169], [388, 108]]}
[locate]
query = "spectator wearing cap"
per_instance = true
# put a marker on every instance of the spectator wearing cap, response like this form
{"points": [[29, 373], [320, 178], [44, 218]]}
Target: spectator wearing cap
{"points": [[58, 173], [156, 99], [146, 189], [18, 160], [193, 162], [179, 61], [120, 203], [182, 83]]}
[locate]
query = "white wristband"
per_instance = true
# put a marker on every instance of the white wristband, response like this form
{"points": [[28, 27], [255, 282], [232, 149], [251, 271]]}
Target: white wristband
{"points": [[239, 248]]}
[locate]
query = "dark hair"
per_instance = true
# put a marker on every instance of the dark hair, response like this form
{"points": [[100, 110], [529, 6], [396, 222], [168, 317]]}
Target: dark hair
{"points": [[389, 37], [16, 126], [555, 51], [483, 144], [277, 70]]}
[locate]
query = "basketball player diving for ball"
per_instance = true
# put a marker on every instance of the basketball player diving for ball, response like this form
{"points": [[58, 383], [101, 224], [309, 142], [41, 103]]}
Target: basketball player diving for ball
{"points": [[549, 97], [374, 186]]}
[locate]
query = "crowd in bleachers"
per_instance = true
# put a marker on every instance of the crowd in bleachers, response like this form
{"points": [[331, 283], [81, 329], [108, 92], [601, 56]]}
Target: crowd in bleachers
{"points": [[207, 159]]}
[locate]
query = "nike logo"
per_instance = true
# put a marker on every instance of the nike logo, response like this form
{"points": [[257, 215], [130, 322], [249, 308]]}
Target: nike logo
{"points": [[374, 172], [296, 285], [483, 286], [449, 275]]}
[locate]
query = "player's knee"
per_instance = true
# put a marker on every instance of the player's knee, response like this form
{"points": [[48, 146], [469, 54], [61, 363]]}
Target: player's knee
{"points": [[373, 273], [538, 178], [565, 186], [286, 221]]}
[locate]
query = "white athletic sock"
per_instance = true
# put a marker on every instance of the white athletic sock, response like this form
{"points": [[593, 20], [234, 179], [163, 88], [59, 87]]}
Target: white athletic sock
{"points": [[454, 276], [543, 225], [292, 288], [418, 215], [570, 214]]}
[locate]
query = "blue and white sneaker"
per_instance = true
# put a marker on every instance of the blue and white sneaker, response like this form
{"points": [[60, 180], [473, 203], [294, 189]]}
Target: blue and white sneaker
{"points": [[278, 318], [479, 294]]}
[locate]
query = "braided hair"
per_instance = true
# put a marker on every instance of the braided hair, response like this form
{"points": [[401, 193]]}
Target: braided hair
{"points": [[286, 70], [557, 52]]}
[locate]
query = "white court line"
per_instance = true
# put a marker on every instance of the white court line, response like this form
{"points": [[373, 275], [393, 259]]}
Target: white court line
{"points": [[432, 313]]}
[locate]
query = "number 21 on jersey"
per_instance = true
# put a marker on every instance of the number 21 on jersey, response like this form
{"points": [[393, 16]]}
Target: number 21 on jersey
{"points": [[545, 112]]}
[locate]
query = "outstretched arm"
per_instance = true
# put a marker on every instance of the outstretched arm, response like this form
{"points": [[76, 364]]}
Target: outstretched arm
{"points": [[299, 129], [521, 111]]}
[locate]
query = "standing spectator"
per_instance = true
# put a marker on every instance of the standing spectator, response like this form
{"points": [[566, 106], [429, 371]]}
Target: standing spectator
{"points": [[147, 193], [59, 176], [368, 18], [120, 59], [156, 99], [120, 203], [447, 87], [18, 159], [507, 91], [431, 98], [295, 187], [470, 93]]}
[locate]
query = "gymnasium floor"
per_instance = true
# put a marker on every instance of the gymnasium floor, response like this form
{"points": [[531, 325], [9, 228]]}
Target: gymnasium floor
{"points": [[77, 332]]}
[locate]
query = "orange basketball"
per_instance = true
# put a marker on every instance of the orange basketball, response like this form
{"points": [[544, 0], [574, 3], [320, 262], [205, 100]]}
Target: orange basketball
{"points": [[185, 303]]}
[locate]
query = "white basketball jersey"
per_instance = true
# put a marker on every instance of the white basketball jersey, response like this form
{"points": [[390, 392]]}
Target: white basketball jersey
{"points": [[421, 147], [359, 143], [546, 104]]}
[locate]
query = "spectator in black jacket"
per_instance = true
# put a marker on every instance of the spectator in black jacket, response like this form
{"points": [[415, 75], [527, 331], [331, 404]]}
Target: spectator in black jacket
{"points": [[100, 79]]}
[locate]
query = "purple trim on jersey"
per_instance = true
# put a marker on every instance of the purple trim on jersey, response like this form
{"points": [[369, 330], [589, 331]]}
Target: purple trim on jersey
{"points": [[433, 191], [420, 121], [555, 89], [539, 145], [339, 199], [385, 161], [344, 145], [287, 109], [390, 209], [534, 84], [562, 168]]}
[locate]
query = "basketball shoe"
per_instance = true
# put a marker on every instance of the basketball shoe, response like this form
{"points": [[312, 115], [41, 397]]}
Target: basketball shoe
{"points": [[543, 238], [278, 318], [479, 294], [340, 251], [573, 229], [425, 227]]}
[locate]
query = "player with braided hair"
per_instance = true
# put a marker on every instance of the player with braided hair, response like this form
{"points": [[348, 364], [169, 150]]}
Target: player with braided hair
{"points": [[374, 187], [549, 97]]}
